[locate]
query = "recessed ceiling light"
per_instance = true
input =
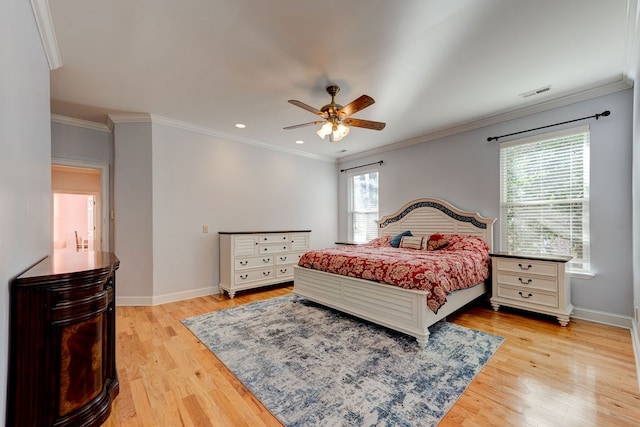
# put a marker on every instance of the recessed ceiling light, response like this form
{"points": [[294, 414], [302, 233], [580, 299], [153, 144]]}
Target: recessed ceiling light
{"points": [[299, 141], [240, 125]]}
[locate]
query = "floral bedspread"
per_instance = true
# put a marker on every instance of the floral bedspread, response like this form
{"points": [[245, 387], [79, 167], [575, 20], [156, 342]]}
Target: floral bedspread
{"points": [[462, 264]]}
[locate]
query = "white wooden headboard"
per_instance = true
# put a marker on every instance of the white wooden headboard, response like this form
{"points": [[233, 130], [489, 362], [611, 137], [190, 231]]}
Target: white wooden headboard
{"points": [[429, 215]]}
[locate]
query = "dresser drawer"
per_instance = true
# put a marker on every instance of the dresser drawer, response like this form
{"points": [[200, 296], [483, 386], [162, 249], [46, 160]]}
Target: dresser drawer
{"points": [[288, 258], [528, 282], [275, 248], [274, 238], [253, 275], [284, 271], [527, 266], [528, 296], [244, 262]]}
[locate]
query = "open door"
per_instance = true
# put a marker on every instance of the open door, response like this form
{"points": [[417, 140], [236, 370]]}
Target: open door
{"points": [[74, 222], [78, 211]]}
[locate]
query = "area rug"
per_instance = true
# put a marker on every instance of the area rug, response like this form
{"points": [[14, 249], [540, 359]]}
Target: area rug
{"points": [[313, 366]]}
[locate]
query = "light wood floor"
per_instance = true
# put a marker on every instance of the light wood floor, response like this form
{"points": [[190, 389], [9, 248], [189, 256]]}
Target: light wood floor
{"points": [[542, 375]]}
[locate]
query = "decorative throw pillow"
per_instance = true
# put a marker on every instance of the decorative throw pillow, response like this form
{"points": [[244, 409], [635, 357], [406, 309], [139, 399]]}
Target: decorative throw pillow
{"points": [[436, 242], [395, 240], [411, 242]]}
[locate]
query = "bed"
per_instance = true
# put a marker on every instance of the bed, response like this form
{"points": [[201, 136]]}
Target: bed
{"points": [[398, 308]]}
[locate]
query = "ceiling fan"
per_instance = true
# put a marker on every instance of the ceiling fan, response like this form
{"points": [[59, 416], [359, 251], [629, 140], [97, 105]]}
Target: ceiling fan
{"points": [[336, 116]]}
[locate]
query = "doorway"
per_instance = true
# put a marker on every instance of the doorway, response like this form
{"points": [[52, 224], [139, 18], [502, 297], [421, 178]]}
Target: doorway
{"points": [[80, 221], [74, 222]]}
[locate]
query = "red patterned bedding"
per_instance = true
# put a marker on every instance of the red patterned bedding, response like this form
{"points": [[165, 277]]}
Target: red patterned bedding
{"points": [[462, 264]]}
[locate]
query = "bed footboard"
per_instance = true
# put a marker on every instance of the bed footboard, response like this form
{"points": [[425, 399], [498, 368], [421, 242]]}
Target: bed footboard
{"points": [[403, 310]]}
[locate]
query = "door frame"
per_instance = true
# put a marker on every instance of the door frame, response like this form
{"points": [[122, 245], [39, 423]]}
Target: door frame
{"points": [[104, 195]]}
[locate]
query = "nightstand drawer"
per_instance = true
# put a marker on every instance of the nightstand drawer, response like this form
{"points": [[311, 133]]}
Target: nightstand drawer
{"points": [[528, 282], [524, 296], [523, 266]]}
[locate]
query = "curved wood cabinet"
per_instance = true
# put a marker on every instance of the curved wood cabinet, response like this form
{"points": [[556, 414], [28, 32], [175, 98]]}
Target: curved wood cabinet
{"points": [[62, 368]]}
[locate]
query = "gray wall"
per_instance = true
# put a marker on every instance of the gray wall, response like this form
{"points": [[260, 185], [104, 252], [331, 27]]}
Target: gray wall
{"points": [[25, 159], [464, 169], [169, 182], [86, 145], [636, 209], [133, 222]]}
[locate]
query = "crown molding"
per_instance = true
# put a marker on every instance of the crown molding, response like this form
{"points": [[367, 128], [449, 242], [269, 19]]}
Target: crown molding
{"points": [[65, 120], [622, 83], [632, 41], [42, 13], [191, 127]]}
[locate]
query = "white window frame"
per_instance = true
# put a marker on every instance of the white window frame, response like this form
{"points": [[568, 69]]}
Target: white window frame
{"points": [[576, 265], [350, 207]]}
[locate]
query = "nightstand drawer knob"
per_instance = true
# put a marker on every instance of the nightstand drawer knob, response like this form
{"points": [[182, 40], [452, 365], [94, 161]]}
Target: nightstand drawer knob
{"points": [[525, 296], [525, 282], [522, 267]]}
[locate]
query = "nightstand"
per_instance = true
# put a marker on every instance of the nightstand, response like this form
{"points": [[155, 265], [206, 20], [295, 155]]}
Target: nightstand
{"points": [[532, 282]]}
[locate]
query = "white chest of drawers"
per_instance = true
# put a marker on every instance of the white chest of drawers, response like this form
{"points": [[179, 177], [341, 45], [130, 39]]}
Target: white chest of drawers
{"points": [[535, 283], [253, 259]]}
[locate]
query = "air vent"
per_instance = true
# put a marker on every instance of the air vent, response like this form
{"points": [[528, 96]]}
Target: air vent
{"points": [[536, 92]]}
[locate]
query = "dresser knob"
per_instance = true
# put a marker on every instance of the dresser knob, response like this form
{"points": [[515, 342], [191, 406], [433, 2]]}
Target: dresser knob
{"points": [[266, 273], [244, 276], [266, 260], [523, 296], [525, 282], [243, 263], [522, 267]]}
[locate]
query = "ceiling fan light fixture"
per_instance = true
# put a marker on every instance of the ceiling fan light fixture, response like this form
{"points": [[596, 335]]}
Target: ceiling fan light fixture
{"points": [[325, 130], [339, 132], [333, 114]]}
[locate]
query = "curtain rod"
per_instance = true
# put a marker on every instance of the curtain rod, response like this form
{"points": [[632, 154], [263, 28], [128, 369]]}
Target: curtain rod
{"points": [[597, 116], [361, 166]]}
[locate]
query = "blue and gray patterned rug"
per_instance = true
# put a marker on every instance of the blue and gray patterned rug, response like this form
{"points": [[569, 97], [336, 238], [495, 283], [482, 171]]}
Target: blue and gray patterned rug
{"points": [[313, 366]]}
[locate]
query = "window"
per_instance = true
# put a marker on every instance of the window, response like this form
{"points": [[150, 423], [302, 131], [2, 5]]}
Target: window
{"points": [[544, 201], [363, 206]]}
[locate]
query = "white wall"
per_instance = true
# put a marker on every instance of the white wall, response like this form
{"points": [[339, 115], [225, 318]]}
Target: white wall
{"points": [[194, 180], [25, 158], [464, 169]]}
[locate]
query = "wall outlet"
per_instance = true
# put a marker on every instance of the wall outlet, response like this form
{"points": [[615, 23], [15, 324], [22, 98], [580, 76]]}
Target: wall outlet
{"points": [[205, 228]]}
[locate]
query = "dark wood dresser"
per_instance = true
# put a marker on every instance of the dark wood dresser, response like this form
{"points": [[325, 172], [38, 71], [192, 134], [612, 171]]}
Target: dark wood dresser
{"points": [[62, 360]]}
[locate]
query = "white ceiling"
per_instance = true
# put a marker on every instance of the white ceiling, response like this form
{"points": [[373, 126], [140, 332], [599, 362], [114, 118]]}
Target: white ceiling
{"points": [[430, 65]]}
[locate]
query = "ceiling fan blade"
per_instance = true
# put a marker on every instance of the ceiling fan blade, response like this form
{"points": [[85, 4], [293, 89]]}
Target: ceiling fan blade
{"points": [[367, 124], [353, 107], [308, 108], [317, 122]]}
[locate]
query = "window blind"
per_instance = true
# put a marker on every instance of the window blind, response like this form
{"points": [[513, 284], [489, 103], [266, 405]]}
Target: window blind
{"points": [[364, 206], [545, 195]]}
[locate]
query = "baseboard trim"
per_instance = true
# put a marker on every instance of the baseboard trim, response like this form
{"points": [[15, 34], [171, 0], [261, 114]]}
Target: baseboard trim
{"points": [[635, 339], [602, 317], [166, 298]]}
